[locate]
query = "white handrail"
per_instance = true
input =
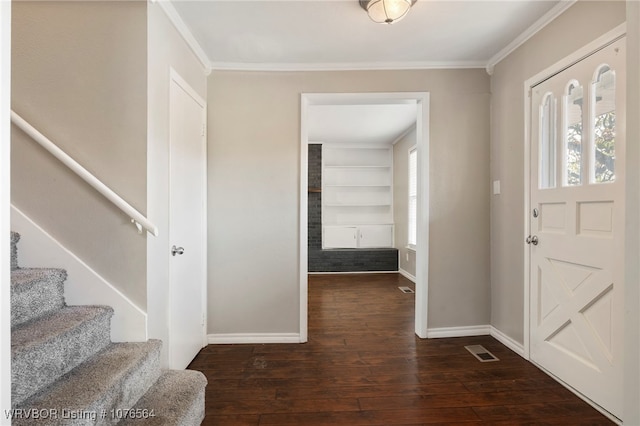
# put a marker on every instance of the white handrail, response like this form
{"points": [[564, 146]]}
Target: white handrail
{"points": [[136, 217]]}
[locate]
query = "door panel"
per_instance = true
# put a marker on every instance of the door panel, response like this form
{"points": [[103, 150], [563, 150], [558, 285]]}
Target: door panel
{"points": [[577, 191], [187, 230]]}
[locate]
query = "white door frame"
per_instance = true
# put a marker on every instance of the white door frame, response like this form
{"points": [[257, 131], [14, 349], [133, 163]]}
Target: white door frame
{"points": [[422, 243], [5, 188], [559, 66], [174, 77]]}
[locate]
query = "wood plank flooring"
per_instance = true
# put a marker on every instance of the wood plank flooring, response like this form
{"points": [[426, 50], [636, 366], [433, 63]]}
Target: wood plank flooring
{"points": [[363, 365]]}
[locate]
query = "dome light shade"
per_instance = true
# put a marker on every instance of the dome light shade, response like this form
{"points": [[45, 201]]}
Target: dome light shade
{"points": [[386, 11]]}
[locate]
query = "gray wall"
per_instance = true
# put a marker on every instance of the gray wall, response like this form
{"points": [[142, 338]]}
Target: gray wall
{"points": [[79, 76], [401, 201], [578, 26], [254, 151]]}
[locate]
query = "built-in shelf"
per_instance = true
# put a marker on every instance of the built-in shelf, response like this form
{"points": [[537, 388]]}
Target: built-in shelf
{"points": [[357, 197], [310, 190]]}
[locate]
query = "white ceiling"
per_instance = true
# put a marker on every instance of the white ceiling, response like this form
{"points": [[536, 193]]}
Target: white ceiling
{"points": [[359, 124], [337, 34]]}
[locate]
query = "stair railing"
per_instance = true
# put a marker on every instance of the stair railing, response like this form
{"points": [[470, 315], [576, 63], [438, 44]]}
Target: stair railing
{"points": [[137, 218]]}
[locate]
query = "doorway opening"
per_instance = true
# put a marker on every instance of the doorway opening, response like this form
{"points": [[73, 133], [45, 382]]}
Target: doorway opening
{"points": [[421, 102]]}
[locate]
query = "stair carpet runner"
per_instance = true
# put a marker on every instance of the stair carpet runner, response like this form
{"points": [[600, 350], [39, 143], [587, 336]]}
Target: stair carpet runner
{"points": [[66, 371]]}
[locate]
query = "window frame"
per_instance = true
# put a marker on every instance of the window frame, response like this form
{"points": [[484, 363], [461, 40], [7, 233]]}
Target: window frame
{"points": [[412, 198]]}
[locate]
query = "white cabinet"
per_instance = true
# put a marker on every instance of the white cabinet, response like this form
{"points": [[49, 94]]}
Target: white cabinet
{"points": [[357, 193], [365, 236], [374, 236], [340, 237]]}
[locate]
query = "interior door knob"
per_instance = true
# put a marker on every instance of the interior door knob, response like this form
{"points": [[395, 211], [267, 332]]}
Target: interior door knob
{"points": [[534, 240], [176, 250]]}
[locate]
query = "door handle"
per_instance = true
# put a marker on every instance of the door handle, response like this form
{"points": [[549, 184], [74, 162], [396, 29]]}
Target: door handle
{"points": [[534, 240], [177, 250], [528, 240]]}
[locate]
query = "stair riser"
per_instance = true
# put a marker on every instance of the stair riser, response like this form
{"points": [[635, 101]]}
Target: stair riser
{"points": [[130, 379], [176, 399], [40, 366], [131, 389], [15, 237], [37, 298]]}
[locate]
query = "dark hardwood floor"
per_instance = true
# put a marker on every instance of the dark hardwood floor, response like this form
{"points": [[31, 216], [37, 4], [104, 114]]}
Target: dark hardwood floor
{"points": [[363, 365]]}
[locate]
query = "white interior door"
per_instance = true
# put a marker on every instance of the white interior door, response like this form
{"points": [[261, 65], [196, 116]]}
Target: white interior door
{"points": [[577, 225], [187, 223]]}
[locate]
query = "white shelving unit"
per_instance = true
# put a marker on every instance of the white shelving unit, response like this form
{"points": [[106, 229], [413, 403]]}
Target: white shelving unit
{"points": [[357, 196]]}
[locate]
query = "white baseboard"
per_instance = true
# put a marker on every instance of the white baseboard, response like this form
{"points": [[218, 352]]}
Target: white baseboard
{"points": [[472, 330], [507, 341], [83, 286], [407, 275], [352, 272], [253, 338]]}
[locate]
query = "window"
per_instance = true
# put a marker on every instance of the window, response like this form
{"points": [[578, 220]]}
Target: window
{"points": [[604, 132], [547, 143], [413, 197], [573, 134]]}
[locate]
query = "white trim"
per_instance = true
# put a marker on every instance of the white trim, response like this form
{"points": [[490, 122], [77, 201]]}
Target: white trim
{"points": [[5, 213], [136, 217], [253, 338], [303, 264], [508, 341], [353, 272], [421, 99], [569, 60], [346, 66], [575, 57], [542, 22], [84, 286], [472, 330], [406, 275], [183, 29], [422, 241]]}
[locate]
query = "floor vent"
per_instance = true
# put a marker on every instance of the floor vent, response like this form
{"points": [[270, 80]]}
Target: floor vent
{"points": [[406, 290], [481, 353]]}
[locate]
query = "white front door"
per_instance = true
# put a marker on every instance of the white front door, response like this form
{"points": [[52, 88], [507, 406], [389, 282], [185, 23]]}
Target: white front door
{"points": [[577, 225], [187, 223]]}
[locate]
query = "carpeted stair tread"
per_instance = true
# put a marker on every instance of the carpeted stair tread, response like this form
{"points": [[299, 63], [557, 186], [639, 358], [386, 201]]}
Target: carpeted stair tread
{"points": [[35, 292], [15, 237], [45, 349], [114, 379], [176, 399]]}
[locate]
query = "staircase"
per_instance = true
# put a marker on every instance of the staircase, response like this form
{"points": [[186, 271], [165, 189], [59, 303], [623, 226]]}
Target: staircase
{"points": [[66, 371]]}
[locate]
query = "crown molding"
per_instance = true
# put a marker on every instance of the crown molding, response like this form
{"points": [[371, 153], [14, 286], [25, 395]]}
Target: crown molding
{"points": [[182, 28], [552, 14], [347, 66]]}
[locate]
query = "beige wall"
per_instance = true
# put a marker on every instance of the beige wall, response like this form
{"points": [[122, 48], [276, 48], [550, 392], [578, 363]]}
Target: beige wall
{"points": [[254, 152], [579, 25], [166, 50], [400, 201], [79, 76]]}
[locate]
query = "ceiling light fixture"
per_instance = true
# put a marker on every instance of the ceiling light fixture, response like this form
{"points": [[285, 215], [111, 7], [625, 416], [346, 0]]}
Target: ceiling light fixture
{"points": [[386, 11]]}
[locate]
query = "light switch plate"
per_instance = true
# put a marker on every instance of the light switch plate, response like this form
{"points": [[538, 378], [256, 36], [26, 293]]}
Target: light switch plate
{"points": [[496, 187]]}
